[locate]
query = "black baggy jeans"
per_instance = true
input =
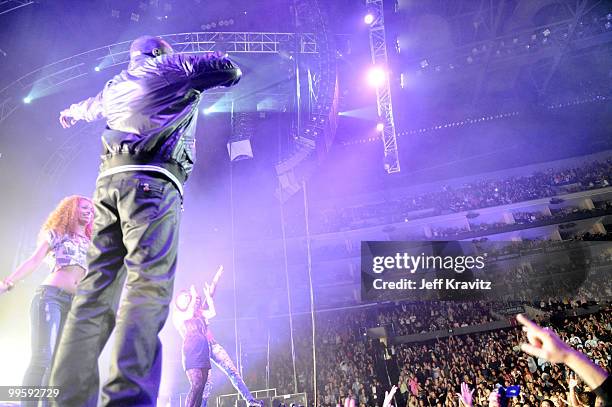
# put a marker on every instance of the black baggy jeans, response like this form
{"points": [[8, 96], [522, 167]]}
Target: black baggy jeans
{"points": [[48, 313], [135, 239]]}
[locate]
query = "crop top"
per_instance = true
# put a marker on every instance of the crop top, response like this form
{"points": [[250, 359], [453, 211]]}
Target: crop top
{"points": [[67, 250]]}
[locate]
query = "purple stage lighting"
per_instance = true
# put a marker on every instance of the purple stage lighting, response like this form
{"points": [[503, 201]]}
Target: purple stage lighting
{"points": [[380, 126], [376, 76], [368, 18]]}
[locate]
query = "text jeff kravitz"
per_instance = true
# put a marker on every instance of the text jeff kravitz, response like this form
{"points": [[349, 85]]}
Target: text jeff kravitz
{"points": [[435, 284]]}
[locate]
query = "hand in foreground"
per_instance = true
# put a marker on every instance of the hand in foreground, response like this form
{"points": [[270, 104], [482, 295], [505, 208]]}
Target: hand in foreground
{"points": [[5, 286], [389, 396], [66, 120], [466, 395], [543, 342]]}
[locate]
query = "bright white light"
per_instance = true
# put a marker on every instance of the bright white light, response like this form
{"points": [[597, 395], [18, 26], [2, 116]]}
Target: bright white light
{"points": [[376, 76], [27, 99], [207, 110], [97, 69], [368, 18], [380, 127]]}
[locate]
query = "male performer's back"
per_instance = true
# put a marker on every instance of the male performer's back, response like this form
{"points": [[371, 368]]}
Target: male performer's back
{"points": [[151, 110]]}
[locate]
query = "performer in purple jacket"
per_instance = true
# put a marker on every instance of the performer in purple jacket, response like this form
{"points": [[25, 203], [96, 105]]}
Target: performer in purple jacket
{"points": [[151, 111]]}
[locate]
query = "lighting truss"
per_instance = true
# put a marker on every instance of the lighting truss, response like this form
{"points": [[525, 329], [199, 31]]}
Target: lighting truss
{"points": [[43, 80], [378, 50], [12, 5]]}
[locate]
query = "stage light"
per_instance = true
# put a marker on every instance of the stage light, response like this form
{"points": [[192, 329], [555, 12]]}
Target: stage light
{"points": [[368, 18], [97, 69], [207, 110], [380, 126], [27, 100], [376, 76]]}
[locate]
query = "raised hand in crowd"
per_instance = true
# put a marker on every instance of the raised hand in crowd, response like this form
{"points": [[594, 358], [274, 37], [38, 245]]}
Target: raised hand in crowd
{"points": [[466, 396], [545, 343], [389, 396]]}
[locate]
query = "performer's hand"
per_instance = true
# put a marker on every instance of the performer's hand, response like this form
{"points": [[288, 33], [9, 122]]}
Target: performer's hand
{"points": [[543, 342], [218, 274], [466, 395], [66, 120], [389, 396], [5, 286]]}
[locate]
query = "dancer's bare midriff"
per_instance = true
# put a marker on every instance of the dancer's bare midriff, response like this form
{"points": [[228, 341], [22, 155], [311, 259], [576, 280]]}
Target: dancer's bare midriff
{"points": [[66, 278]]}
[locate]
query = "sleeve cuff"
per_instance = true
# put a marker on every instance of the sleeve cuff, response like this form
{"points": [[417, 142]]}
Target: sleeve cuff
{"points": [[604, 391]]}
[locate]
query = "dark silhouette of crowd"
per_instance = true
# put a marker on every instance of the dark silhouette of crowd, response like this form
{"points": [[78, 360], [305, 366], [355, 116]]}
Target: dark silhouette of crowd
{"points": [[469, 197]]}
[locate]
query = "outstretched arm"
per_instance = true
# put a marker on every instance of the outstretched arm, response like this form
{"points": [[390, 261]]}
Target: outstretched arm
{"points": [[215, 281], [210, 311], [177, 316], [389, 396], [26, 268], [545, 343], [90, 109], [206, 71]]}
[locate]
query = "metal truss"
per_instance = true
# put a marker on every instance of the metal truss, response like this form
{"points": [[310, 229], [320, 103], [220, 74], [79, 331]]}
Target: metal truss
{"points": [[315, 42], [378, 49], [43, 80], [12, 5]]}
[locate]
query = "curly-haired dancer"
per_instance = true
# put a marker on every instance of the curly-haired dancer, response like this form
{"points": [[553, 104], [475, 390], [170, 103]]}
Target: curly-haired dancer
{"points": [[63, 239]]}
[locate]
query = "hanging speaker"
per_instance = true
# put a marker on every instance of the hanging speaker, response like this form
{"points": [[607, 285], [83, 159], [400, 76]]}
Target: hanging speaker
{"points": [[240, 150]]}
